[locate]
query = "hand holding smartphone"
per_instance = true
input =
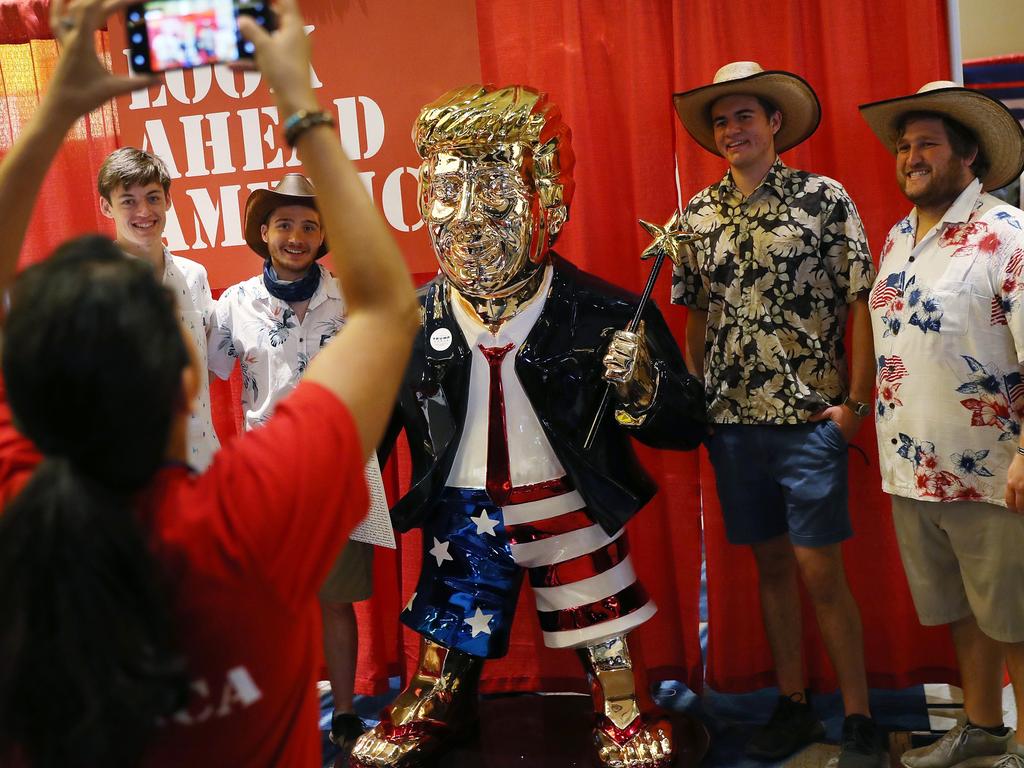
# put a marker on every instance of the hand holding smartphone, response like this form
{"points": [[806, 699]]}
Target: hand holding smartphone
{"points": [[181, 34]]}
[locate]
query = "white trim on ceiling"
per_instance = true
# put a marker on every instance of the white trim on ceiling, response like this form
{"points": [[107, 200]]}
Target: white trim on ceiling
{"points": [[956, 57]]}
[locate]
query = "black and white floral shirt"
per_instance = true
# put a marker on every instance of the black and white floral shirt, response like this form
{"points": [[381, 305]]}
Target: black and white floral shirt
{"points": [[775, 272]]}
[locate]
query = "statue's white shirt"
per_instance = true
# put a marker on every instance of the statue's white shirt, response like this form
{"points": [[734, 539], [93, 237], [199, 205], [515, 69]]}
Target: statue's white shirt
{"points": [[531, 458]]}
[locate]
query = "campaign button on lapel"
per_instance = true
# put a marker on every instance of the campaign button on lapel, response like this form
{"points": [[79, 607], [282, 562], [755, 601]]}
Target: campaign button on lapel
{"points": [[441, 339]]}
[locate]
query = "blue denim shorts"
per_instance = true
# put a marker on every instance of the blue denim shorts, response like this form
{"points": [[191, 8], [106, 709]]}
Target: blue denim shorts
{"points": [[775, 479]]}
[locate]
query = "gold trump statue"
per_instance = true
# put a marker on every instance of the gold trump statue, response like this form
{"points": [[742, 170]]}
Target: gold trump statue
{"points": [[517, 348]]}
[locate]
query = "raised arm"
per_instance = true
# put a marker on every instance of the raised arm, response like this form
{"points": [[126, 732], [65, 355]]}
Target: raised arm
{"points": [[365, 362], [79, 84]]}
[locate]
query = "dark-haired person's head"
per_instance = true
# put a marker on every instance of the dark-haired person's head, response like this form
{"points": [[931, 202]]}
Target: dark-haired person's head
{"points": [[93, 360], [97, 372]]}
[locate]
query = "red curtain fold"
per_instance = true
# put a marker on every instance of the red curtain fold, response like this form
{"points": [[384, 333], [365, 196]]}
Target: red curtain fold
{"points": [[851, 53], [67, 205], [24, 20], [610, 71]]}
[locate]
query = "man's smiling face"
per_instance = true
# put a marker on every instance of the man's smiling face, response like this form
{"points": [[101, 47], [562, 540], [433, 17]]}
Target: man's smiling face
{"points": [[139, 213], [293, 237], [927, 169], [744, 132]]}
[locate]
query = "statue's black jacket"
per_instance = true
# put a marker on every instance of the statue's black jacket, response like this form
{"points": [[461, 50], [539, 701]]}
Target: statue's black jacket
{"points": [[559, 366]]}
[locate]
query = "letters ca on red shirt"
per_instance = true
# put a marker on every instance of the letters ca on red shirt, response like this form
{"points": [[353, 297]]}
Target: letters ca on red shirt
{"points": [[245, 547]]}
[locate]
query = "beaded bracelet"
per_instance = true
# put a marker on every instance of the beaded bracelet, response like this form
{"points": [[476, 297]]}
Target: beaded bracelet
{"points": [[302, 121]]}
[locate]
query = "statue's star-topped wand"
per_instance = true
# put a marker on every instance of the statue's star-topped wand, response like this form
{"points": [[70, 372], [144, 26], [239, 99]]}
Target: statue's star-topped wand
{"points": [[668, 241]]}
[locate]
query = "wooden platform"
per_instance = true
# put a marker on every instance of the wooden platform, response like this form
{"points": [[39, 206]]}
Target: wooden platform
{"points": [[533, 731]]}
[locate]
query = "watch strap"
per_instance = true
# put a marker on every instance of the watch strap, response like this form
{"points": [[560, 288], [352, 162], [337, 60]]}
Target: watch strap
{"points": [[860, 410]]}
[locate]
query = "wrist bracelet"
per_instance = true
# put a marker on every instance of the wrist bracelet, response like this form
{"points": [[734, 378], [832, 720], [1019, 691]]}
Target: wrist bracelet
{"points": [[1020, 450], [302, 121]]}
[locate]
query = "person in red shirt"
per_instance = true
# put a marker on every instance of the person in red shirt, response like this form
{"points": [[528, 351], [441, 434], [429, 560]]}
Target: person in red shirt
{"points": [[152, 615]]}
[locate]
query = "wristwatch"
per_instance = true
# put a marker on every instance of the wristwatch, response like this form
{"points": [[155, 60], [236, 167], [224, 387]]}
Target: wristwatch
{"points": [[860, 410]]}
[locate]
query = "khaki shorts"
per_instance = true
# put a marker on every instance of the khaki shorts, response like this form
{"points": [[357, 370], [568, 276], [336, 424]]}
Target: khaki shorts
{"points": [[963, 558], [351, 576]]}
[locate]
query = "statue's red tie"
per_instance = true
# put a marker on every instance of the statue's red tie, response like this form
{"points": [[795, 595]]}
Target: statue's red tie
{"points": [[499, 474]]}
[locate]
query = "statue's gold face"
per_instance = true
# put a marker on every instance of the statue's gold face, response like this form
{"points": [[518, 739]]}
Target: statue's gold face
{"points": [[484, 217]]}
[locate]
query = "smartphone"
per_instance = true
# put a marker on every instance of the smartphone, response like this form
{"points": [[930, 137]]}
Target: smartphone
{"points": [[181, 34]]}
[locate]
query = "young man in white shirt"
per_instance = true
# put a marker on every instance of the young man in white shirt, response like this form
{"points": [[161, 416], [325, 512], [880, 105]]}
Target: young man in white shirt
{"points": [[274, 324], [134, 189]]}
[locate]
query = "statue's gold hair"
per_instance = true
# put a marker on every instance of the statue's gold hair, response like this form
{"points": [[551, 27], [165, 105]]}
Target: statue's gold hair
{"points": [[482, 116]]}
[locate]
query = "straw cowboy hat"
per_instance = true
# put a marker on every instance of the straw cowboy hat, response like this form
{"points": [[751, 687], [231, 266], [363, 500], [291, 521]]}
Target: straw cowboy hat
{"points": [[999, 135], [293, 189], [793, 96]]}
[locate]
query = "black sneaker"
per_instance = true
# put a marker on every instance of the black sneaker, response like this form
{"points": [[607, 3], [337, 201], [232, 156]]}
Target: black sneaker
{"points": [[865, 744], [346, 728], [792, 725]]}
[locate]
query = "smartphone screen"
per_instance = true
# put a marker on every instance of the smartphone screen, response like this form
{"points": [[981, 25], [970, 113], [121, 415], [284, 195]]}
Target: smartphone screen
{"points": [[181, 34]]}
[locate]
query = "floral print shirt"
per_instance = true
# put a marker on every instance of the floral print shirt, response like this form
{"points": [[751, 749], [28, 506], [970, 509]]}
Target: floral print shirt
{"points": [[187, 281], [272, 347], [775, 272], [949, 338]]}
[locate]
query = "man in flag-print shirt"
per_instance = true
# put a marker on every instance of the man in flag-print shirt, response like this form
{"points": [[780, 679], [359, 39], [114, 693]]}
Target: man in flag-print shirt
{"points": [[948, 323]]}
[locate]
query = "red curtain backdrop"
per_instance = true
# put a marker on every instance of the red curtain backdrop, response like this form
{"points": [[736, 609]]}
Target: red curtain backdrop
{"points": [[851, 53], [610, 72], [22, 20], [67, 202], [612, 69]]}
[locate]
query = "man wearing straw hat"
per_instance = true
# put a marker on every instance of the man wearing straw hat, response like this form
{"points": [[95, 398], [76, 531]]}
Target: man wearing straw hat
{"points": [[949, 334], [273, 324], [781, 264]]}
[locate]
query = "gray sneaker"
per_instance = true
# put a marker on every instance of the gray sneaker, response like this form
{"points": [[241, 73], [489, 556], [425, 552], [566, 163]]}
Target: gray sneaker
{"points": [[961, 743], [999, 761]]}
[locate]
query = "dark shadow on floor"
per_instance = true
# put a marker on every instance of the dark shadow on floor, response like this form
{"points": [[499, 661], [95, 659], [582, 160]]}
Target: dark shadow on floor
{"points": [[554, 731]]}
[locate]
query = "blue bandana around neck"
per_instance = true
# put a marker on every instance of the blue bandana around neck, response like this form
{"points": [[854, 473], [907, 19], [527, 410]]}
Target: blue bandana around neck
{"points": [[296, 290]]}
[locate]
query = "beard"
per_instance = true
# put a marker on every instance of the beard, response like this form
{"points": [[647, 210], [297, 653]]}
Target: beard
{"points": [[945, 184]]}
